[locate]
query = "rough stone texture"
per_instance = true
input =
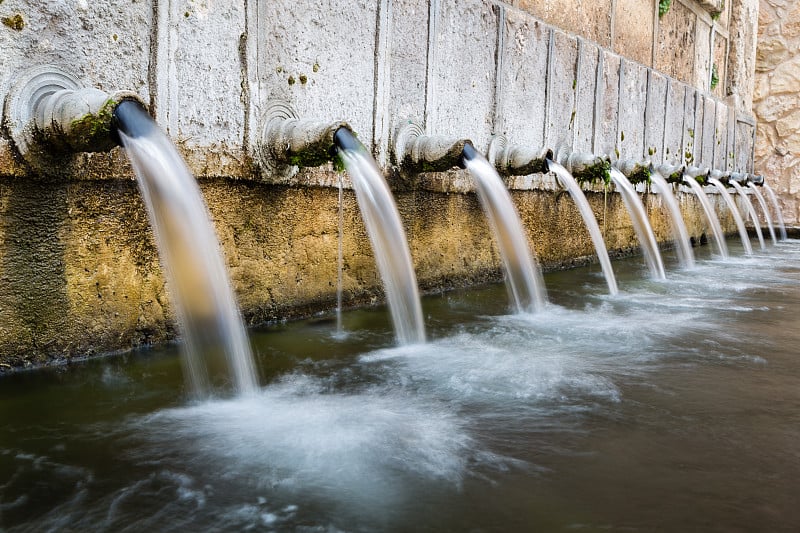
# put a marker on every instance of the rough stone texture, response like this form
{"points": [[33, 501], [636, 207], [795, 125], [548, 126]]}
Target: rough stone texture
{"points": [[561, 89], [776, 104], [742, 54], [588, 19], [675, 50], [633, 30], [609, 100], [464, 71], [78, 269], [656, 108], [331, 45], [585, 97], [523, 102], [721, 64], [673, 125], [407, 71], [633, 100]]}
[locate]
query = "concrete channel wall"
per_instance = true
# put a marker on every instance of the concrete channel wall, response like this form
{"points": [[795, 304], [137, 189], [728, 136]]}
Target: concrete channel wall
{"points": [[79, 273]]}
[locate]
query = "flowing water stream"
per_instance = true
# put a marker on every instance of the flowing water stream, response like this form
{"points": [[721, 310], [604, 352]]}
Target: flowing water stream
{"points": [[388, 238], [778, 213], [765, 210], [567, 180], [680, 234], [210, 324], [672, 406], [523, 274], [751, 213], [641, 224], [737, 217], [711, 215]]}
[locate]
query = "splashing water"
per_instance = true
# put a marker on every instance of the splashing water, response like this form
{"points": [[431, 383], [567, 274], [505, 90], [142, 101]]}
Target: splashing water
{"points": [[523, 275], [641, 224], [567, 180], [778, 212], [736, 215], [765, 210], [204, 303], [751, 212], [711, 215], [387, 236], [680, 234]]}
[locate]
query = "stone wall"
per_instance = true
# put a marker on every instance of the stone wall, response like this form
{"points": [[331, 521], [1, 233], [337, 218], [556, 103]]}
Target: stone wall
{"points": [[78, 270], [777, 102]]}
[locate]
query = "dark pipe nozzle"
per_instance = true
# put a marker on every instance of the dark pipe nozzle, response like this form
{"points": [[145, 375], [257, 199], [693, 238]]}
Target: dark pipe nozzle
{"points": [[468, 153], [131, 118], [344, 139]]}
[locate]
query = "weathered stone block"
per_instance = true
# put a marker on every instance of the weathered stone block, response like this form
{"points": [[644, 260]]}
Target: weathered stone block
{"points": [[609, 105], [702, 57], [633, 102], [709, 131], [720, 65], [522, 104], [588, 19], [586, 97], [633, 30], [408, 45], [561, 89], [673, 119], [198, 50], [675, 48], [721, 136], [321, 59], [655, 117], [464, 71]]}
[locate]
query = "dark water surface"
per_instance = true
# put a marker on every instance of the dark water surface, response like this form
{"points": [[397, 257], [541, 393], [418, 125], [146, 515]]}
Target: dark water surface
{"points": [[674, 406]]}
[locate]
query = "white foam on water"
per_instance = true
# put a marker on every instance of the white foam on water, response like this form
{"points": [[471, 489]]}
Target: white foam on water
{"points": [[300, 437]]}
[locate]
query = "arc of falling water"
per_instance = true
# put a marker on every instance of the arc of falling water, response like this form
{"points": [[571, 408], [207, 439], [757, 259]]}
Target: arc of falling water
{"points": [[571, 184], [679, 231], [523, 275], [641, 224], [385, 230], [711, 215], [751, 211], [765, 210], [778, 213], [737, 217], [189, 251]]}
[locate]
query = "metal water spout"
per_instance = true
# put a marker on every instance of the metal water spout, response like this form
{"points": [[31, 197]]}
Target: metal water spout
{"points": [[584, 166], [416, 152], [701, 174], [516, 160], [671, 173], [739, 177], [286, 142], [756, 179], [636, 172], [724, 177], [49, 113]]}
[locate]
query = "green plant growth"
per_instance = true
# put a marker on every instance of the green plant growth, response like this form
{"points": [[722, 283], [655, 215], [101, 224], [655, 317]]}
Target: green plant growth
{"points": [[714, 77], [600, 172], [640, 174], [93, 130], [663, 7]]}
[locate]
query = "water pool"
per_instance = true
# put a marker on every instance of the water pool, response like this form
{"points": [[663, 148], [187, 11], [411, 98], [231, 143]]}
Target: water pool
{"points": [[674, 406]]}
